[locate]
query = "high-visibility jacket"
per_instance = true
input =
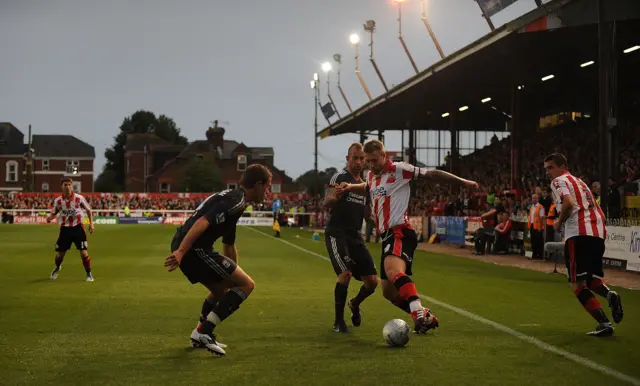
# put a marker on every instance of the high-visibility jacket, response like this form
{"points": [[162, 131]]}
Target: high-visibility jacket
{"points": [[553, 214], [535, 217]]}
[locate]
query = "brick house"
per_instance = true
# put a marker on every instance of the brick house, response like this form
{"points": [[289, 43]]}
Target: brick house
{"points": [[156, 166], [55, 156]]}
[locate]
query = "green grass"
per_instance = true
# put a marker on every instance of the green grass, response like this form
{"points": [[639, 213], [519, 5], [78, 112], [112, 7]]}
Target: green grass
{"points": [[132, 325]]}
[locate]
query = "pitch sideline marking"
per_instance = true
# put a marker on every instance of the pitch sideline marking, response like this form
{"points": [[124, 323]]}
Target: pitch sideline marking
{"points": [[529, 339]]}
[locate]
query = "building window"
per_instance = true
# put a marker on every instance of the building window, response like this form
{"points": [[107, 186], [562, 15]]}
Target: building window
{"points": [[45, 165], [275, 188], [242, 163], [232, 185], [73, 167], [77, 187], [12, 171], [45, 187], [164, 187]]}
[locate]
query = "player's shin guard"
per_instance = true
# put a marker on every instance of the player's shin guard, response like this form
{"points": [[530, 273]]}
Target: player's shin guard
{"points": [[86, 262], [229, 303], [407, 291], [362, 294], [340, 295], [207, 306], [591, 304], [597, 285], [58, 260]]}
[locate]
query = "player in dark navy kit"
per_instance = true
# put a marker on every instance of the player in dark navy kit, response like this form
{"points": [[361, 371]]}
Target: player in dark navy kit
{"points": [[192, 251], [343, 238]]}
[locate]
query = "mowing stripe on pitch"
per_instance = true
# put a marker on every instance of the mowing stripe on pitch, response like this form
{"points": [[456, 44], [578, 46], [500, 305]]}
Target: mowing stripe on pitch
{"points": [[529, 339]]}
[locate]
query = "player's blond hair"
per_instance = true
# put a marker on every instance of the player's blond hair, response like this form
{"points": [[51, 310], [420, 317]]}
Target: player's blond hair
{"points": [[373, 145]]}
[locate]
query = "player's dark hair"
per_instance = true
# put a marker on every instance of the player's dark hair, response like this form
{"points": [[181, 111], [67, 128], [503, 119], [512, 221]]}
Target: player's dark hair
{"points": [[255, 173], [373, 145], [557, 158], [65, 179]]}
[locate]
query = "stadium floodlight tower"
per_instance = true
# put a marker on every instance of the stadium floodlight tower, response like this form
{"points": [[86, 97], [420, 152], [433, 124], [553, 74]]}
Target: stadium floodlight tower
{"points": [[314, 86], [355, 41], [423, 15], [370, 27], [326, 68], [401, 38], [338, 59]]}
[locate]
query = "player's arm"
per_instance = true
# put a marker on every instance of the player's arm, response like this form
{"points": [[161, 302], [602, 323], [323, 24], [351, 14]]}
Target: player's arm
{"points": [[87, 210], [356, 188], [434, 175], [561, 190], [331, 197], [229, 245], [54, 212]]}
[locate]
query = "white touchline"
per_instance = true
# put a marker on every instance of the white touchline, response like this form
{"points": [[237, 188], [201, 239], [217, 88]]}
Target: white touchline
{"points": [[536, 342]]}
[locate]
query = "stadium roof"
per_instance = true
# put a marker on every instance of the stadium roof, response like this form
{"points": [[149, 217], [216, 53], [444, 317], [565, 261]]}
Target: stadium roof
{"points": [[552, 40]]}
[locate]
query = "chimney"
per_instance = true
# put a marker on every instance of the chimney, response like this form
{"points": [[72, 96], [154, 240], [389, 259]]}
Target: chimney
{"points": [[215, 136]]}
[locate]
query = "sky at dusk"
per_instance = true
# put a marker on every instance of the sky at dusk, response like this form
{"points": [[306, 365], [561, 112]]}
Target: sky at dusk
{"points": [[80, 66]]}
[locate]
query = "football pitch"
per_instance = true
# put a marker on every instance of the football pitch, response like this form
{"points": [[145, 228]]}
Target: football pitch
{"points": [[499, 325]]}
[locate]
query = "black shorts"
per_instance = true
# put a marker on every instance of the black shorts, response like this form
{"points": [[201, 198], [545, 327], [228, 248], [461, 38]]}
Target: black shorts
{"points": [[350, 254], [71, 235], [401, 242], [204, 266], [584, 257]]}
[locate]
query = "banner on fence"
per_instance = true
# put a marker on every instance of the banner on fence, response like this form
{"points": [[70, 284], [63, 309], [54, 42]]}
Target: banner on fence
{"points": [[102, 220], [255, 221], [32, 220], [439, 224], [456, 230], [177, 220], [141, 220], [622, 247]]}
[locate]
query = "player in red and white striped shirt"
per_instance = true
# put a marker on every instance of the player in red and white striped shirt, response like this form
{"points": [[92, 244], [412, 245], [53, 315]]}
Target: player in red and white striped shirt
{"points": [[585, 231], [388, 184], [70, 208]]}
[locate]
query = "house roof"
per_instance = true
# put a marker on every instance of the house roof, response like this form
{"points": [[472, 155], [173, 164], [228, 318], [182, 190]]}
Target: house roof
{"points": [[11, 139], [137, 141], [55, 145]]}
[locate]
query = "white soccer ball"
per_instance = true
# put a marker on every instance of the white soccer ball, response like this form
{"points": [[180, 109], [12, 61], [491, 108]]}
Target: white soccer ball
{"points": [[396, 333]]}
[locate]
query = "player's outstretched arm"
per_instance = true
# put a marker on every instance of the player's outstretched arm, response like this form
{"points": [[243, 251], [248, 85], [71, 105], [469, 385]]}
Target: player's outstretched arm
{"points": [[442, 177], [330, 198], [230, 251], [346, 187]]}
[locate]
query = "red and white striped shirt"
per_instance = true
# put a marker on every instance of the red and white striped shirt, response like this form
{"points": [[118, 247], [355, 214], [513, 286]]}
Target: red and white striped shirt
{"points": [[586, 218], [71, 211], [390, 192]]}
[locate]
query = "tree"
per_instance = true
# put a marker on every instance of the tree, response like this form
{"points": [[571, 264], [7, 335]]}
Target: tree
{"points": [[315, 185], [202, 175], [113, 174], [106, 182]]}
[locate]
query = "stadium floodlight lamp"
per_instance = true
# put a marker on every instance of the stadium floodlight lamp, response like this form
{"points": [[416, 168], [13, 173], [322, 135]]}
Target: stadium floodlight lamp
{"points": [[548, 77], [369, 25], [587, 64], [485, 100], [316, 77], [631, 49], [464, 108], [354, 39], [445, 115], [326, 67], [312, 83], [337, 58], [521, 87]]}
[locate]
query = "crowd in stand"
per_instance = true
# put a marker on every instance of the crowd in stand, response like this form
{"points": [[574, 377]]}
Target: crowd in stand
{"points": [[489, 166]]}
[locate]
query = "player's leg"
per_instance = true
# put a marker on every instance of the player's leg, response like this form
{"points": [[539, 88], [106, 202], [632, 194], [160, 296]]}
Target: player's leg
{"points": [[398, 250], [338, 254], [595, 282], [366, 271], [577, 252], [80, 241], [217, 291], [63, 244]]}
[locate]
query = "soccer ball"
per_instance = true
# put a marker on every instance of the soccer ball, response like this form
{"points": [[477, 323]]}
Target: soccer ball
{"points": [[396, 333]]}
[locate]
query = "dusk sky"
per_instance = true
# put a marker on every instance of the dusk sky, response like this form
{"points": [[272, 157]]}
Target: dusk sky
{"points": [[80, 66]]}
